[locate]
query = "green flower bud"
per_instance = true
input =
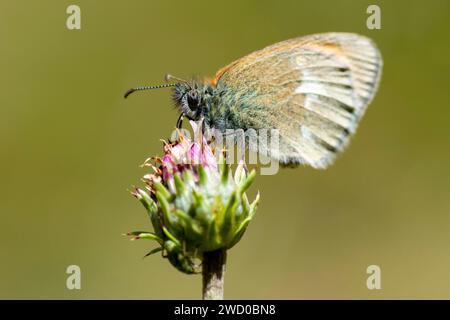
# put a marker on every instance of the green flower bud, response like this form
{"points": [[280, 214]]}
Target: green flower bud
{"points": [[195, 205]]}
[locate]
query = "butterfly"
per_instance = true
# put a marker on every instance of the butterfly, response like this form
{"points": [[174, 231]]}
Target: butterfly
{"points": [[313, 90]]}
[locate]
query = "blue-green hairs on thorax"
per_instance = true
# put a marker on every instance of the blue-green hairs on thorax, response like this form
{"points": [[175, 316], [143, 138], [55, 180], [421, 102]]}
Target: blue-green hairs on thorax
{"points": [[197, 100]]}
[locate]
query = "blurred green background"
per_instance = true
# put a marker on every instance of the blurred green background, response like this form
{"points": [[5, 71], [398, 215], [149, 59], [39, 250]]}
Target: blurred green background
{"points": [[71, 146]]}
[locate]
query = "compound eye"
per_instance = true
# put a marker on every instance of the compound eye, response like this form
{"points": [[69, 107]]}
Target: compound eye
{"points": [[193, 99]]}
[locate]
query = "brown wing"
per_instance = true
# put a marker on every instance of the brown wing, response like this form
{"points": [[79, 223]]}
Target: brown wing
{"points": [[313, 89]]}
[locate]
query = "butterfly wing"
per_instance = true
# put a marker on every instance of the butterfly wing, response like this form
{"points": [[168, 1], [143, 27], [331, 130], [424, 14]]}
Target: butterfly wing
{"points": [[313, 89]]}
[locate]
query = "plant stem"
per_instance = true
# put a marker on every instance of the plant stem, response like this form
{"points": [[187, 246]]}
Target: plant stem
{"points": [[213, 271]]}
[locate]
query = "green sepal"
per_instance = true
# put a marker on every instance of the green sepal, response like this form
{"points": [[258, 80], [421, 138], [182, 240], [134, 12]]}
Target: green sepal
{"points": [[171, 237], [201, 175], [203, 215], [239, 232], [179, 184], [243, 226], [161, 189], [136, 235], [224, 168], [192, 230], [152, 211], [146, 201], [247, 182], [169, 218], [156, 250], [229, 215]]}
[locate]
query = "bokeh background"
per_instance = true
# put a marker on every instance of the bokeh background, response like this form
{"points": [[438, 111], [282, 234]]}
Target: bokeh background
{"points": [[71, 146]]}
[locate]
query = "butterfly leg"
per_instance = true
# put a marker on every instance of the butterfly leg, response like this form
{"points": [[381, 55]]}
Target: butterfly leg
{"points": [[180, 121]]}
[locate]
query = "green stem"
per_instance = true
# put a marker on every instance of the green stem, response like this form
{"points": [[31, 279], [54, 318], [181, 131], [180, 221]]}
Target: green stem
{"points": [[213, 271]]}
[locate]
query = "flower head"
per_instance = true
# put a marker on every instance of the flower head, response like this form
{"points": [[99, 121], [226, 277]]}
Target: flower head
{"points": [[194, 203]]}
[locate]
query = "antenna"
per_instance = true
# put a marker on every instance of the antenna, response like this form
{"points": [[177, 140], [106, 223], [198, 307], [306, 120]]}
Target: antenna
{"points": [[130, 91]]}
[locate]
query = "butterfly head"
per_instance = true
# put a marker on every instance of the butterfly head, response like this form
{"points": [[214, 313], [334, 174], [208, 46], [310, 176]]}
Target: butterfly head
{"points": [[193, 98]]}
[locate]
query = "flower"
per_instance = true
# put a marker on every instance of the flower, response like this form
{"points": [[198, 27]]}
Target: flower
{"points": [[194, 203]]}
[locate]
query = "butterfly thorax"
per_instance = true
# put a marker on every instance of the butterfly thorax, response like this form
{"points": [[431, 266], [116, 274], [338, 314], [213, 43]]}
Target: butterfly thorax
{"points": [[197, 100]]}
